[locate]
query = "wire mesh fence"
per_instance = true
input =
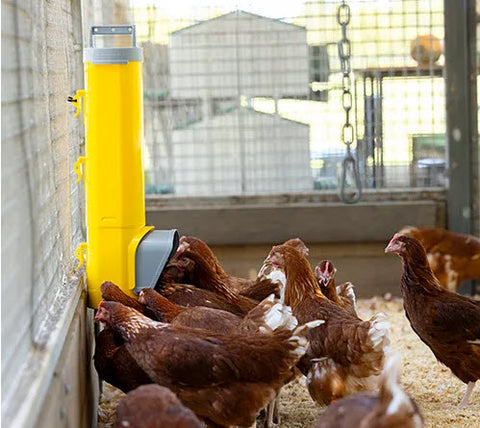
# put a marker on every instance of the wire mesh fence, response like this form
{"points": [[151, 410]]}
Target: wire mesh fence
{"points": [[41, 207], [246, 98]]}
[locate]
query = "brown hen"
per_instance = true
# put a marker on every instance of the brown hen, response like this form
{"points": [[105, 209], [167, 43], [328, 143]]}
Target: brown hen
{"points": [[225, 379], [448, 323], [113, 293], [343, 294], [189, 295], [214, 320], [453, 257], [114, 363], [276, 275], [154, 406], [111, 359], [391, 407], [206, 272], [345, 355]]}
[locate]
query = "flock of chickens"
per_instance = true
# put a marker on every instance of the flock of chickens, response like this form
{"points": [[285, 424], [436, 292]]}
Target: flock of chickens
{"points": [[205, 347]]}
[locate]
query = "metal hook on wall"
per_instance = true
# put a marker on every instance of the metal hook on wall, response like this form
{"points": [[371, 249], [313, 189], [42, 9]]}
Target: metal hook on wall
{"points": [[350, 197]]}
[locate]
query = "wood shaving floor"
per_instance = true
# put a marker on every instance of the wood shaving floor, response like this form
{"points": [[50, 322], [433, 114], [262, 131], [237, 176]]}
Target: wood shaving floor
{"points": [[431, 384]]}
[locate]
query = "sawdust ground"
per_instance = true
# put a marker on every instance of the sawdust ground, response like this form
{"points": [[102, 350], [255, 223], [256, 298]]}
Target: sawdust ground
{"points": [[431, 384]]}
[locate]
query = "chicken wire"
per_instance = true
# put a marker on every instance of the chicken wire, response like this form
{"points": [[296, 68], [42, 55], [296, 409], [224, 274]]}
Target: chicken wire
{"points": [[41, 206], [244, 97]]}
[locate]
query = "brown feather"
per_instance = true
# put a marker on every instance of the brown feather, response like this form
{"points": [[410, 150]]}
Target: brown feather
{"points": [[113, 293], [114, 363], [445, 321], [215, 320], [390, 407], [188, 295], [341, 358], [154, 406], [206, 272], [225, 378]]}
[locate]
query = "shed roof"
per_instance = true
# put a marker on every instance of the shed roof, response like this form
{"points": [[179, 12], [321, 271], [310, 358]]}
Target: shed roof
{"points": [[243, 13]]}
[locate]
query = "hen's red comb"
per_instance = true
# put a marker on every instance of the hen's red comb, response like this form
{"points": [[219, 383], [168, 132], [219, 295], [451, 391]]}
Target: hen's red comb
{"points": [[325, 267], [97, 317]]}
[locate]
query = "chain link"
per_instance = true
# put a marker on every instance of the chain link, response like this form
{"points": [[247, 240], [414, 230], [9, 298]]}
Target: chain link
{"points": [[344, 53], [343, 14], [348, 132]]}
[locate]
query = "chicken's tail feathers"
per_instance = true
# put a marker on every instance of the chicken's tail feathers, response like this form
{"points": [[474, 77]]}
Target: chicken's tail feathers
{"points": [[379, 331], [278, 319], [347, 290]]}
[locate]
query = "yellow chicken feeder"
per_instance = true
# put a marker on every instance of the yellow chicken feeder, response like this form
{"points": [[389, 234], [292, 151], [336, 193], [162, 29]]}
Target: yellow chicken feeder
{"points": [[120, 248]]}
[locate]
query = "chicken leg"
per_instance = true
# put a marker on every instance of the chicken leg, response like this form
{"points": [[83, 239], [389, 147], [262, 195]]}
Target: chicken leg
{"points": [[272, 417], [468, 393]]}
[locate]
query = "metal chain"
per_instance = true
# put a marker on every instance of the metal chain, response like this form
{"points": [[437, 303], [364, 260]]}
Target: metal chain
{"points": [[347, 134]]}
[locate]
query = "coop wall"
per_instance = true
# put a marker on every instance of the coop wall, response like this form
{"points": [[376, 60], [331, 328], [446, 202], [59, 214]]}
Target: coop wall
{"points": [[46, 339]]}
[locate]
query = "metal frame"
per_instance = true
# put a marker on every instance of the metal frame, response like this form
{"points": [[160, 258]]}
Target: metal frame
{"points": [[462, 126]]}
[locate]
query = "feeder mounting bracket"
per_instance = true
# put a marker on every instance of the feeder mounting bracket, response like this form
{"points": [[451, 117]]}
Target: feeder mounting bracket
{"points": [[80, 255], [76, 100]]}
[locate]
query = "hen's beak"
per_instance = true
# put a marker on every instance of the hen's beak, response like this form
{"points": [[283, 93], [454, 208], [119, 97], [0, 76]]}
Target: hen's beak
{"points": [[391, 247], [99, 315], [323, 278], [394, 245]]}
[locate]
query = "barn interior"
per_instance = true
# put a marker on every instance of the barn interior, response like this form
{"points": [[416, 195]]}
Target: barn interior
{"points": [[337, 122]]}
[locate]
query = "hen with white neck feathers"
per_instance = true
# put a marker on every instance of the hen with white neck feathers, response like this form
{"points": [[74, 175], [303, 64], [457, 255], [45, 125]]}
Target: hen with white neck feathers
{"points": [[345, 355]]}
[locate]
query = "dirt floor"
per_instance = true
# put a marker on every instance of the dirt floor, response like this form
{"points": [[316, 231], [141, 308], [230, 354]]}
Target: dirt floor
{"points": [[431, 384]]}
